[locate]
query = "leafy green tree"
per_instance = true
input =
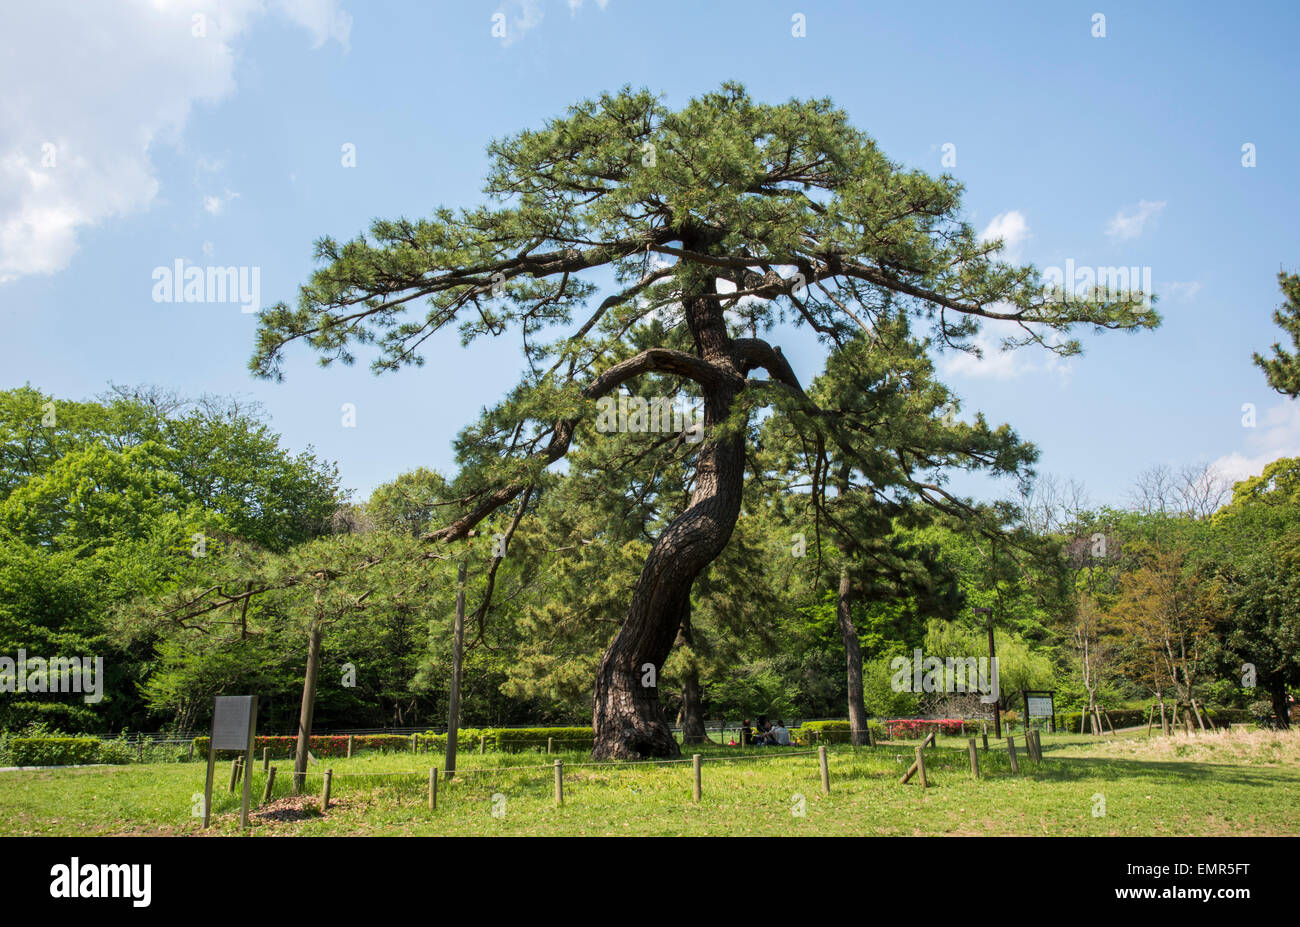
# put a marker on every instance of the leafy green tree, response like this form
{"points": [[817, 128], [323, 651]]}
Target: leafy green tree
{"points": [[1257, 567]]}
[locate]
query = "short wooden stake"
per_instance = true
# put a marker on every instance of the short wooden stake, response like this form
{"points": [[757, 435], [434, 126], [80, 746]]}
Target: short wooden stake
{"points": [[550, 742], [234, 774], [270, 784], [351, 741], [1011, 748], [191, 749], [559, 783], [433, 789], [826, 770], [482, 744], [1029, 747], [974, 760], [413, 743], [985, 735], [699, 784], [920, 768], [266, 758], [325, 790]]}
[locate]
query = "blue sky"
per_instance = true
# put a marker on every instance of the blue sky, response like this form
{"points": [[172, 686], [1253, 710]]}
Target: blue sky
{"points": [[225, 148]]}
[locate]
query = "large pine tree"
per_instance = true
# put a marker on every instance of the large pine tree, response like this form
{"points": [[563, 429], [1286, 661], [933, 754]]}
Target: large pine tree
{"points": [[719, 220]]}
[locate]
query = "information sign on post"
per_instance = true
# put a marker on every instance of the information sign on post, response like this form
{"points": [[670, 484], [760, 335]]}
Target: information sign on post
{"points": [[234, 723]]}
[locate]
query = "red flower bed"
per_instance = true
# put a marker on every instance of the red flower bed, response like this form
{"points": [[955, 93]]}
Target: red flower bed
{"points": [[909, 728]]}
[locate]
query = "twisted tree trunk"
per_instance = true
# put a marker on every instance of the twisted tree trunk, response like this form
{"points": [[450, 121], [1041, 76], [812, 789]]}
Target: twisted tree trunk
{"points": [[627, 716]]}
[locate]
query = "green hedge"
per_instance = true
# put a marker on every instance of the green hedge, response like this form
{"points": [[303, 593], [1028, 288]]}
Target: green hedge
{"points": [[517, 739], [320, 744], [832, 732], [51, 751]]}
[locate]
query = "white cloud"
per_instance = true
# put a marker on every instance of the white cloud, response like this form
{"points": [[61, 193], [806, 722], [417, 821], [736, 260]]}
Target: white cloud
{"points": [[997, 364], [575, 5], [74, 144], [216, 205], [1012, 228], [1277, 434], [1182, 290], [1125, 226]]}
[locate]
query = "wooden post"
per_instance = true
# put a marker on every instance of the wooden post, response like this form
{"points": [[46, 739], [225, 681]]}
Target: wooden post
{"points": [[911, 771], [270, 784], [325, 790], [559, 783], [550, 743], [482, 744], [234, 774], [207, 786], [1151, 717], [457, 660], [1208, 720], [974, 759], [929, 739], [139, 748], [920, 767], [699, 784], [1029, 747], [351, 741], [414, 745], [433, 789], [308, 708], [247, 773], [1196, 710], [1107, 717], [266, 758], [826, 770], [191, 750], [1011, 748], [985, 735]]}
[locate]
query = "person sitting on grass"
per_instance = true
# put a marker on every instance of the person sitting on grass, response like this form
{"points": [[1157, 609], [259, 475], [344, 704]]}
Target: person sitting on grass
{"points": [[779, 735], [762, 737], [746, 734]]}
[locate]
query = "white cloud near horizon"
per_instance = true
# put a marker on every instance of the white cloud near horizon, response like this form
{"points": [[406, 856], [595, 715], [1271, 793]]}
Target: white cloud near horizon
{"points": [[1123, 226], [75, 143], [1277, 434]]}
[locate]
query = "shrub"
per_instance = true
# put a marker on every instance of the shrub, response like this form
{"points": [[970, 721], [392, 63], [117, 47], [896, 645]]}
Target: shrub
{"points": [[828, 732], [51, 751], [1261, 713], [117, 751]]}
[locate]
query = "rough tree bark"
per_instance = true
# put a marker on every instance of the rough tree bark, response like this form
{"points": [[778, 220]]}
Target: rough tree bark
{"points": [[627, 715], [692, 716], [852, 659]]}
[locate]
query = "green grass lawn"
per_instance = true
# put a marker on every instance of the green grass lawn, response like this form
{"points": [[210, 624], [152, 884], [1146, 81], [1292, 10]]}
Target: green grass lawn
{"points": [[1213, 784]]}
